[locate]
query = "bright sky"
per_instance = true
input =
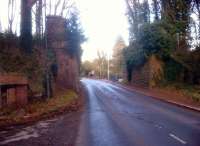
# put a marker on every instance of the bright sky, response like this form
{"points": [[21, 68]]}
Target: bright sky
{"points": [[4, 16], [103, 21]]}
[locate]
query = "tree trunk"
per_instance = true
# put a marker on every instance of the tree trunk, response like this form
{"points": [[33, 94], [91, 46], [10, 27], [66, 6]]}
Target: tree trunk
{"points": [[156, 9], [26, 27], [39, 18]]}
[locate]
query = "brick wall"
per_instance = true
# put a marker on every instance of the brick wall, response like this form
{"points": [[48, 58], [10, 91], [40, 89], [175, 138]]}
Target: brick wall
{"points": [[12, 79], [21, 95], [11, 97], [68, 66]]}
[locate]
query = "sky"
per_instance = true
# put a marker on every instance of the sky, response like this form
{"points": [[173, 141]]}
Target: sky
{"points": [[4, 16], [102, 21]]}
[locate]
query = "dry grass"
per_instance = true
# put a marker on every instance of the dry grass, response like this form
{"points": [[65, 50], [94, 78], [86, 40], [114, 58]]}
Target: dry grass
{"points": [[39, 109], [190, 91], [51, 104]]}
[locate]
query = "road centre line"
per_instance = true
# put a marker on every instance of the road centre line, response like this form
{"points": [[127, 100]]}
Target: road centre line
{"points": [[177, 138]]}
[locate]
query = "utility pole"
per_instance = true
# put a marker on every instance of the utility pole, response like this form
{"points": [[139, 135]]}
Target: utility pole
{"points": [[46, 61], [0, 27], [108, 69], [178, 40]]}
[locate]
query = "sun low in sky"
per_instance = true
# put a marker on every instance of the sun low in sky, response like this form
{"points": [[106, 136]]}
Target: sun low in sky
{"points": [[103, 21]]}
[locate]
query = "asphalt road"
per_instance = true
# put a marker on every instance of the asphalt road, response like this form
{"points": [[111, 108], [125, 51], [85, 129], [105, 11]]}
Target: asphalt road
{"points": [[115, 116], [59, 131]]}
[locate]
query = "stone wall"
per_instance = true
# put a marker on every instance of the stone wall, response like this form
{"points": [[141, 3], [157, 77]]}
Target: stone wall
{"points": [[149, 74], [140, 76]]}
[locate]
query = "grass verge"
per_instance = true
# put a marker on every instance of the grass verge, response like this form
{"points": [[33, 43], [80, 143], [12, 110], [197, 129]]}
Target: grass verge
{"points": [[190, 91], [67, 101]]}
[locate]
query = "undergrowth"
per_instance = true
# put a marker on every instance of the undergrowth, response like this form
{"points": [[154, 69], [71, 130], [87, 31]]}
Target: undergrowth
{"points": [[38, 108]]}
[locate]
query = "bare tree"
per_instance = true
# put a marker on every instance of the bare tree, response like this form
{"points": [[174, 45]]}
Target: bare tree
{"points": [[38, 18], [11, 14], [138, 13], [196, 10], [68, 8], [133, 6], [59, 7], [156, 9], [26, 26], [102, 63], [63, 7], [50, 6], [57, 4]]}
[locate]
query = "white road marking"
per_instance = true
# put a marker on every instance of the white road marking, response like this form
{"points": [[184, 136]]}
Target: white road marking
{"points": [[29, 132], [3, 132], [158, 126], [23, 135], [177, 138]]}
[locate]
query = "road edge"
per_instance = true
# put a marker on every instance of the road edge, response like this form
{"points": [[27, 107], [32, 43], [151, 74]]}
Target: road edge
{"points": [[74, 106], [164, 100]]}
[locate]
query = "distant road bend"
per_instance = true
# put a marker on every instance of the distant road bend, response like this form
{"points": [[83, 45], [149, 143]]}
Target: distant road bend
{"points": [[115, 116], [112, 116]]}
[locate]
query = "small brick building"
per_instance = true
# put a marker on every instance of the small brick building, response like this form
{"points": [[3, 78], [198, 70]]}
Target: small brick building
{"points": [[13, 90]]}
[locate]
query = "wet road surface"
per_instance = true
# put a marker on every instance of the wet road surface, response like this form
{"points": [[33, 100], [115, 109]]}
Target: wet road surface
{"points": [[115, 116], [112, 116], [58, 131]]}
